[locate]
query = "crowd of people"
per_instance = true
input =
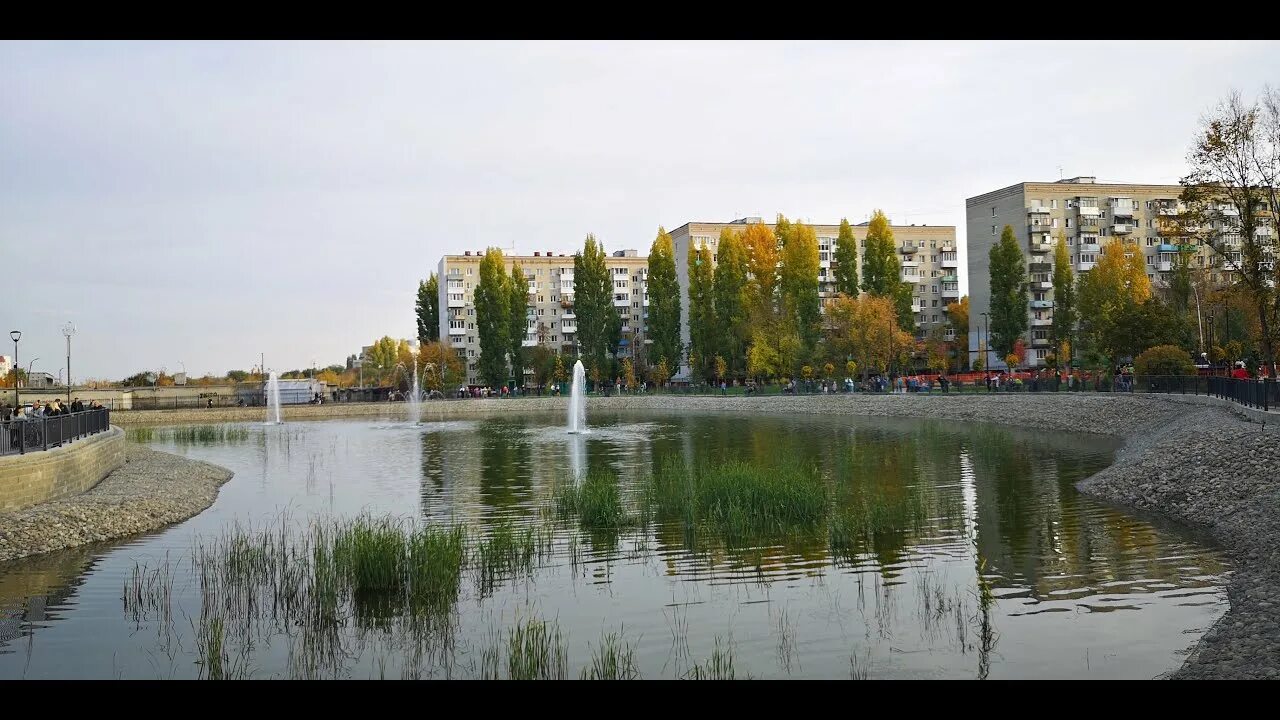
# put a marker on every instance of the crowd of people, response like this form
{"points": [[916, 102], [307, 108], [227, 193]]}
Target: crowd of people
{"points": [[43, 408]]}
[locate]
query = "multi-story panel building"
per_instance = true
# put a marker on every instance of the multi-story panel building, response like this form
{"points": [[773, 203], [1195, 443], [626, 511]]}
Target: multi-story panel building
{"points": [[550, 317], [928, 254], [1090, 215]]}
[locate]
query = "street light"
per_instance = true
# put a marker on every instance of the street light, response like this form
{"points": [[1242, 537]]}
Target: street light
{"points": [[68, 330], [33, 362], [16, 335]]}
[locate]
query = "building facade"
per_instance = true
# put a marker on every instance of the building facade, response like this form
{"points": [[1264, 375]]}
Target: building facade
{"points": [[1090, 215], [550, 318], [928, 254]]}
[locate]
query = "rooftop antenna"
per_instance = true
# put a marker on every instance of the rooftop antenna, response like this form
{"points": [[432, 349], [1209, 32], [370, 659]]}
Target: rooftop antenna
{"points": [[1059, 172]]}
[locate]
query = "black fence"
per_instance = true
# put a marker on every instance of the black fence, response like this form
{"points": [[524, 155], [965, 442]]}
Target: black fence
{"points": [[25, 434]]}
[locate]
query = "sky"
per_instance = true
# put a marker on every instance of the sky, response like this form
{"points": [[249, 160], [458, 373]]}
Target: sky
{"points": [[194, 205]]}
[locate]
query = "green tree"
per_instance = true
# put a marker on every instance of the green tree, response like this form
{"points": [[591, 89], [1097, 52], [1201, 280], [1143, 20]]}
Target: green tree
{"points": [[702, 314], [1164, 360], [1112, 296], [1008, 275], [593, 305], [493, 318], [427, 309], [845, 260], [798, 281], [382, 358], [1063, 330], [663, 324], [543, 362], [729, 291], [881, 271], [517, 321]]}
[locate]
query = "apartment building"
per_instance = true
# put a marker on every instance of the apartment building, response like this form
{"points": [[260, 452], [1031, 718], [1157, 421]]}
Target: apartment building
{"points": [[1090, 214], [550, 318], [928, 254]]}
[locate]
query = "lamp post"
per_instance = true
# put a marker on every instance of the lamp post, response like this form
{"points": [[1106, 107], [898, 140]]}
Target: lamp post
{"points": [[33, 362], [15, 335], [68, 330]]}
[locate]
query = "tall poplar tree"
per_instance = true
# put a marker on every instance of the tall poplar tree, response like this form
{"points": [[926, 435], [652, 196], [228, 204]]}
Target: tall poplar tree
{"points": [[702, 315], [798, 280], [593, 305], [493, 317], [427, 310], [1064, 303], [881, 271], [1008, 274], [730, 286], [518, 321], [663, 324], [845, 260]]}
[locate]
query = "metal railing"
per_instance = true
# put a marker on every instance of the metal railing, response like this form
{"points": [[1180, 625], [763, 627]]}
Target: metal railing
{"points": [[20, 435]]}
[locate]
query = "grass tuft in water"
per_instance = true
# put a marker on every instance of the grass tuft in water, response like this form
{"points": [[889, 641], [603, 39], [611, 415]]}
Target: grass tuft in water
{"points": [[613, 659], [717, 667]]}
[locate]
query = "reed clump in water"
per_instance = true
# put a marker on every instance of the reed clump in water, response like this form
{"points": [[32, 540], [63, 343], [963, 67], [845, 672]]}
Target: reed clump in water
{"points": [[612, 659]]}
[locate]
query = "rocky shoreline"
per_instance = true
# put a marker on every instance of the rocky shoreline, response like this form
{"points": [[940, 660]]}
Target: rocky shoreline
{"points": [[1196, 460], [152, 490]]}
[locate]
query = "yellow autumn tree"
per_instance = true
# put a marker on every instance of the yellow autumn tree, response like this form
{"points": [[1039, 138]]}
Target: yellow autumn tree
{"points": [[866, 329]]}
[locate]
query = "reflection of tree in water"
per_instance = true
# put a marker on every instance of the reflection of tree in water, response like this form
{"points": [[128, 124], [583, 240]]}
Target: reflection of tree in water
{"points": [[434, 492], [505, 468], [1036, 530], [30, 586]]}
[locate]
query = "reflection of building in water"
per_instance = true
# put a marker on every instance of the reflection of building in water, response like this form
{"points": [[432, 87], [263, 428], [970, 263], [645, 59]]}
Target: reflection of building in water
{"points": [[29, 587]]}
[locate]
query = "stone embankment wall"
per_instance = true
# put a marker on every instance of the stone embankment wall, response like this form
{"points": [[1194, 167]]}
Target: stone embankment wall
{"points": [[44, 475]]}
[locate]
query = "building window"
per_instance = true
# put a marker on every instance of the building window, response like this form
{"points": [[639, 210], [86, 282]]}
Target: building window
{"points": [[993, 211], [993, 229], [1053, 204]]}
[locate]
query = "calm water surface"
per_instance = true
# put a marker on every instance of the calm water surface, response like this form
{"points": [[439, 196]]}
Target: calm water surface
{"points": [[1081, 590]]}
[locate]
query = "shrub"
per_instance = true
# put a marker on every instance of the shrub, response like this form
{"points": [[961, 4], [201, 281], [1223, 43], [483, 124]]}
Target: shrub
{"points": [[1164, 360]]}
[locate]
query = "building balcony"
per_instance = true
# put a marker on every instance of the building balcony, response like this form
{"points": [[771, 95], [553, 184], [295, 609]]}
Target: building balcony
{"points": [[622, 303], [1042, 285], [566, 302], [1163, 266], [1122, 207], [1089, 210], [529, 343], [1041, 322], [1166, 248], [1122, 228], [917, 306], [1041, 247], [1085, 266], [951, 293], [1231, 265], [568, 329], [1041, 304], [1229, 211], [1037, 209], [1169, 210], [457, 303], [1040, 342], [457, 331], [1039, 264], [1090, 247], [1040, 232], [910, 263], [948, 248], [951, 263], [569, 316], [948, 279], [949, 334], [906, 249]]}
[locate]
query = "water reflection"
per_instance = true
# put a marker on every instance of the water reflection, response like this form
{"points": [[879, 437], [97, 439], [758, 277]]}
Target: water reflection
{"points": [[1008, 572]]}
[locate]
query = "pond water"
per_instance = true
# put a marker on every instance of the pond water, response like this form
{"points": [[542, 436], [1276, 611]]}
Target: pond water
{"points": [[1005, 572]]}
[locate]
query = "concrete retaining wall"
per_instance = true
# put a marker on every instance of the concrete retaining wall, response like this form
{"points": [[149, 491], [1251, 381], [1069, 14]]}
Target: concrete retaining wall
{"points": [[41, 476]]}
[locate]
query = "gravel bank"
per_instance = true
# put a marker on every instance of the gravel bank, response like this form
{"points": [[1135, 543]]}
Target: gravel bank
{"points": [[152, 490]]}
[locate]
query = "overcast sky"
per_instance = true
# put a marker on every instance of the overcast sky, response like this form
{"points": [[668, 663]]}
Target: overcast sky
{"points": [[201, 203]]}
